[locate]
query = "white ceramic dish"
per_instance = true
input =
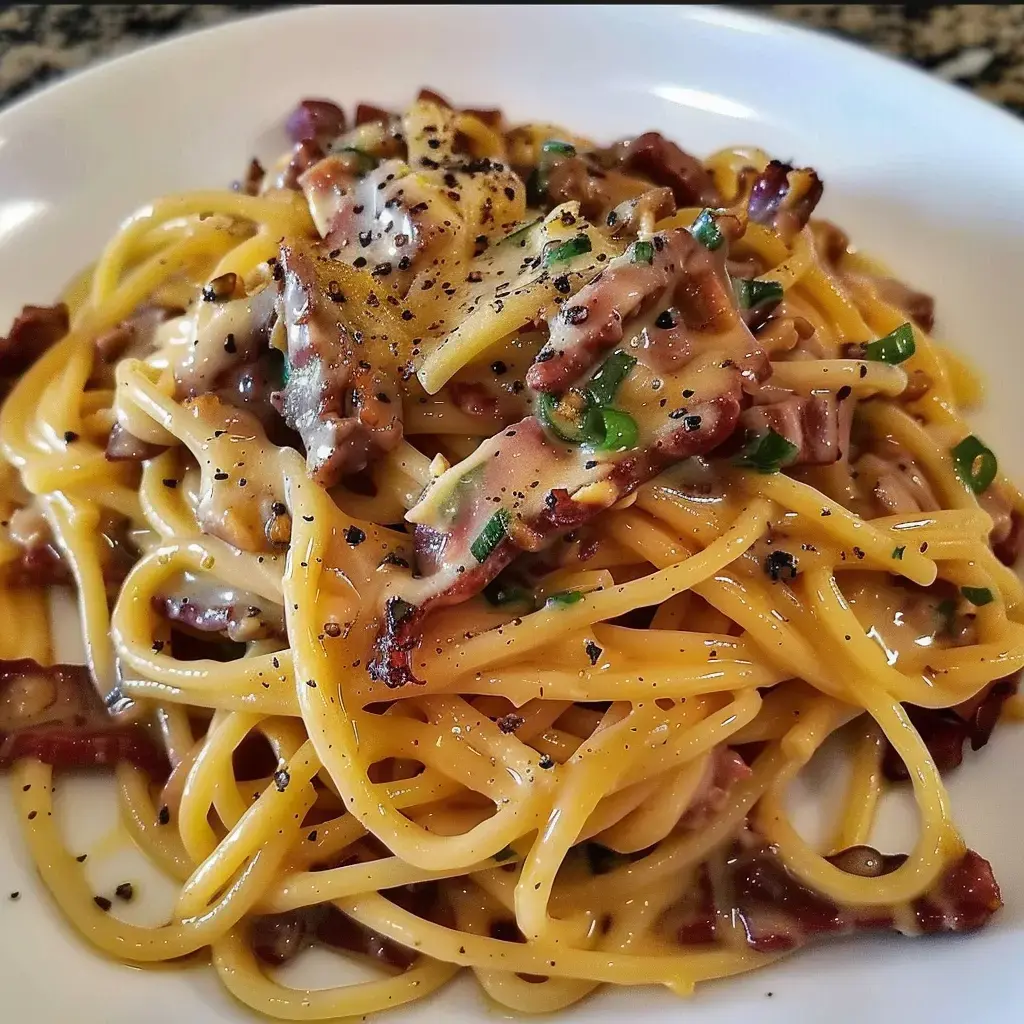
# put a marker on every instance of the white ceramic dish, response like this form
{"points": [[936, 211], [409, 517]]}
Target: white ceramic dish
{"points": [[919, 172]]}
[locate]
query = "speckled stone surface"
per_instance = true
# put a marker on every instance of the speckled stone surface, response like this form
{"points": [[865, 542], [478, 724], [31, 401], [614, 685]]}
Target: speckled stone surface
{"points": [[980, 46]]}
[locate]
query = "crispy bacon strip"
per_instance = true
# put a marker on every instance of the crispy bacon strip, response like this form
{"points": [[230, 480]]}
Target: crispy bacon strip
{"points": [[55, 714], [664, 163], [819, 426]]}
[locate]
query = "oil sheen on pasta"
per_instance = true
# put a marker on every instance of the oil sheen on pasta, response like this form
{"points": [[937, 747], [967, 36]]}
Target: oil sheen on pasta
{"points": [[475, 530]]}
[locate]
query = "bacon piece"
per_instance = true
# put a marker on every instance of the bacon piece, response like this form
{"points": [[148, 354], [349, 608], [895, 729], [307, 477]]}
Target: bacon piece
{"points": [[572, 179], [945, 730], [682, 274], [252, 182], [778, 912], [784, 198], [664, 163], [124, 446], [919, 306], [240, 615], [55, 714], [819, 426], [367, 113], [1007, 549], [511, 462], [318, 121], [346, 410], [35, 329], [287, 173], [640, 214]]}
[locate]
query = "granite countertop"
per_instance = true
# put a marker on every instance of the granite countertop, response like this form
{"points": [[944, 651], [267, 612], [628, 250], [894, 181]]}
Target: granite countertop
{"points": [[979, 46]]}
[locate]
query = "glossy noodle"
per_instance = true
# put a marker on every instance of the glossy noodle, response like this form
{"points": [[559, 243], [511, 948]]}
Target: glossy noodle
{"points": [[475, 530]]}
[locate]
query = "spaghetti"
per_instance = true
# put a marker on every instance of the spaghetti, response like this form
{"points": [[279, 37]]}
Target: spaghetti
{"points": [[475, 531]]}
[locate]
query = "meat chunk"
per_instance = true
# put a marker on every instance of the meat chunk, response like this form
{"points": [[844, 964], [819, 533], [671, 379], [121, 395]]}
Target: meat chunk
{"points": [[664, 163], [778, 912], [818, 426], [945, 730], [240, 615], [35, 329], [319, 121], [55, 714], [784, 198], [345, 410]]}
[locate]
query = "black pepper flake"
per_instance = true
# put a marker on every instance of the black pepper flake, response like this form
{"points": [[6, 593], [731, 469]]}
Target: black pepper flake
{"points": [[332, 629], [242, 481], [593, 651], [102, 902], [359, 262], [590, 464], [404, 263], [858, 552], [509, 723], [381, 270], [125, 891], [170, 482], [70, 436], [354, 535], [562, 284], [781, 565], [544, 355], [510, 192], [81, 858], [575, 314], [498, 367], [311, 683], [665, 320], [220, 475], [546, 761], [281, 779], [15, 895], [32, 815], [307, 519], [677, 414], [229, 345], [688, 393], [158, 646], [844, 392], [691, 422], [863, 371], [163, 816]]}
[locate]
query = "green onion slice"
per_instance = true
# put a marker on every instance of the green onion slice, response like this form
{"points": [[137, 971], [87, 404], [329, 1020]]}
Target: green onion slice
{"points": [[499, 593], [978, 596], [613, 371], [494, 532], [365, 162], [767, 453], [559, 147], [751, 293], [897, 553], [505, 853], [975, 464], [707, 231], [573, 427], [642, 252], [568, 250], [564, 597], [620, 431], [893, 348]]}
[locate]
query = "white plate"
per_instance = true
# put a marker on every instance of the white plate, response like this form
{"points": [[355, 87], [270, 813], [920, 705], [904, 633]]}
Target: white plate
{"points": [[920, 173]]}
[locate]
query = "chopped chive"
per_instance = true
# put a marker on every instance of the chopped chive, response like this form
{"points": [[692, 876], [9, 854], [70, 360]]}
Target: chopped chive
{"points": [[975, 464], [767, 453], [946, 610], [893, 348], [707, 231], [564, 597], [568, 250], [494, 532], [559, 147], [620, 431], [978, 596], [498, 593], [751, 293], [574, 426], [612, 372], [365, 162], [642, 252], [897, 553], [520, 231], [505, 853]]}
